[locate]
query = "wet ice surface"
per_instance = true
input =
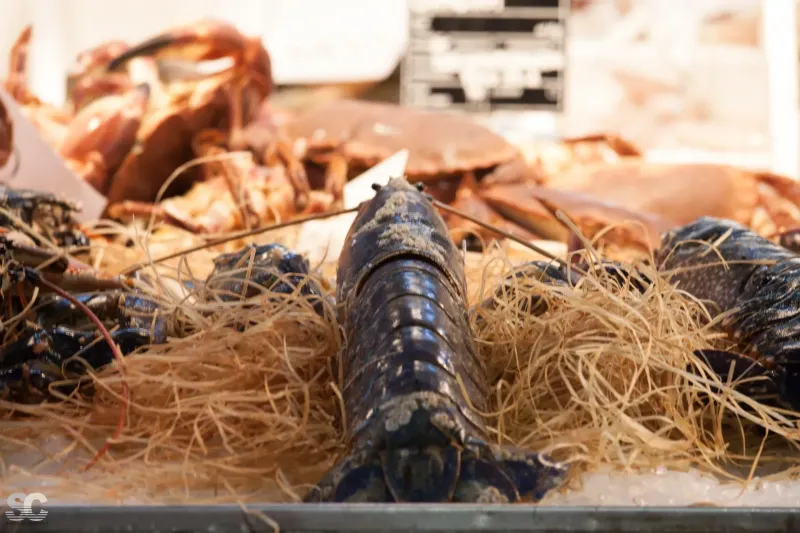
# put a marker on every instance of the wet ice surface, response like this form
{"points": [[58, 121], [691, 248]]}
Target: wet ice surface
{"points": [[603, 488], [669, 488]]}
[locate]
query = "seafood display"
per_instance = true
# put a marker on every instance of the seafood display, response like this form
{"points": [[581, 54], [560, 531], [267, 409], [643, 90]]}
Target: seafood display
{"points": [[392, 367], [413, 436]]}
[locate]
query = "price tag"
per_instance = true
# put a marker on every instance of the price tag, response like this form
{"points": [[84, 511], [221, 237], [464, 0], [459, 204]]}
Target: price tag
{"points": [[486, 55], [34, 165]]}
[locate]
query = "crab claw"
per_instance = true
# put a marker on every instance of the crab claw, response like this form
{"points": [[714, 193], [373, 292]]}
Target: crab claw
{"points": [[108, 128], [17, 83], [401, 467], [205, 40]]}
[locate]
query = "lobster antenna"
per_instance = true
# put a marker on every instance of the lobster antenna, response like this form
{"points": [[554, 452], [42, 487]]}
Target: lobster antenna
{"points": [[238, 235], [504, 233]]}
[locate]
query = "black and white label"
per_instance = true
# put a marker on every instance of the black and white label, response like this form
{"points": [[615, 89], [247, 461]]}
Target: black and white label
{"points": [[485, 55]]}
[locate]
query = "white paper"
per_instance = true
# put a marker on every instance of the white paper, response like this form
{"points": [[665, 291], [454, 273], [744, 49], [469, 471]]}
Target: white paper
{"points": [[36, 166], [324, 239]]}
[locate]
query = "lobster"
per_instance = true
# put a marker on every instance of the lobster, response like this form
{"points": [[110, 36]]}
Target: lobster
{"points": [[413, 384], [755, 282], [43, 350]]}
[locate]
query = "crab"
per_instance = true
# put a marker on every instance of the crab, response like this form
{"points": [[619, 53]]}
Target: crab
{"points": [[535, 209], [443, 148], [680, 193], [93, 142], [226, 99], [241, 196], [517, 203], [603, 180], [549, 158]]}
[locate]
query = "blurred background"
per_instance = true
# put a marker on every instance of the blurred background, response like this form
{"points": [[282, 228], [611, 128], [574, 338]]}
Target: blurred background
{"points": [[684, 79]]}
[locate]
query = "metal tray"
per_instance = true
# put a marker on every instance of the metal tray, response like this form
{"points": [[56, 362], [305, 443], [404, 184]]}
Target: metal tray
{"points": [[396, 518]]}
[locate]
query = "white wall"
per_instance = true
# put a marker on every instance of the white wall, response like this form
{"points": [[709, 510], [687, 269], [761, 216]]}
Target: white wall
{"points": [[322, 30]]}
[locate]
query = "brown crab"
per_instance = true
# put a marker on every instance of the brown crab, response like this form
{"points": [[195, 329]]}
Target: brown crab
{"points": [[534, 208], [223, 100], [515, 202], [93, 142], [103, 133], [549, 158], [680, 193], [603, 179], [443, 148]]}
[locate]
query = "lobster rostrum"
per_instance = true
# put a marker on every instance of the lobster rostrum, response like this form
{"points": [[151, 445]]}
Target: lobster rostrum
{"points": [[755, 282], [409, 365]]}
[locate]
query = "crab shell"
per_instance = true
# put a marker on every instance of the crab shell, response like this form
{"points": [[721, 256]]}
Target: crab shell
{"points": [[442, 147], [680, 193]]}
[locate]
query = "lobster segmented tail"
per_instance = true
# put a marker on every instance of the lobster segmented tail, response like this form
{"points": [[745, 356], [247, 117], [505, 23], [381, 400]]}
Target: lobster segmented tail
{"points": [[409, 365]]}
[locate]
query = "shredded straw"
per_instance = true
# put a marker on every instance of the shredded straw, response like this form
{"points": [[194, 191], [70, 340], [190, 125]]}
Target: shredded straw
{"points": [[605, 376]]}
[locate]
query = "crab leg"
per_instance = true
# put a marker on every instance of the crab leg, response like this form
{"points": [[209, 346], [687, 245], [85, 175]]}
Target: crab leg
{"points": [[17, 82], [280, 152], [6, 135], [621, 146], [336, 178]]}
